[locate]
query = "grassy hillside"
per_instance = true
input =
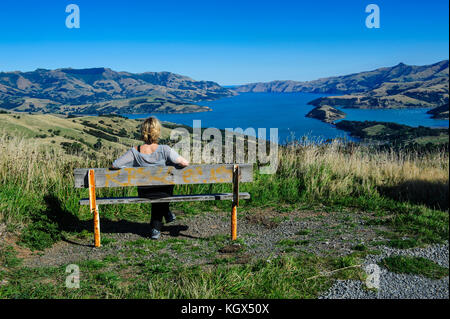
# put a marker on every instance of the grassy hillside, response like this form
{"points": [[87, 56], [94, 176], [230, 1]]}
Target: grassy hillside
{"points": [[393, 96], [114, 132], [403, 193], [145, 104], [357, 82], [397, 135], [306, 173], [81, 86], [399, 86], [104, 91]]}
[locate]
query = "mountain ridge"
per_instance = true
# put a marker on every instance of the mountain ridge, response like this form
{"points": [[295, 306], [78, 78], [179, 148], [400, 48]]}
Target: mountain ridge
{"points": [[388, 87], [75, 86], [319, 85], [53, 90]]}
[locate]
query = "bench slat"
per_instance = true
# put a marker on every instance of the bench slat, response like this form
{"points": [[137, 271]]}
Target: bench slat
{"points": [[175, 198], [162, 175]]}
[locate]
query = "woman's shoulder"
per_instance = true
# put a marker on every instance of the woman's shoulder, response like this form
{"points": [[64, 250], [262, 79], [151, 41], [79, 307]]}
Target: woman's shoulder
{"points": [[134, 150], [167, 150], [165, 147]]}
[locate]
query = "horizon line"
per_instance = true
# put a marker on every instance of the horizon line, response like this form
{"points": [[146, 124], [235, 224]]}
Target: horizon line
{"points": [[224, 85]]}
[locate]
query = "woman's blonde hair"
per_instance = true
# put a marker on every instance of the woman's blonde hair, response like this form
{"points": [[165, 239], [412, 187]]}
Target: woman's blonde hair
{"points": [[151, 130]]}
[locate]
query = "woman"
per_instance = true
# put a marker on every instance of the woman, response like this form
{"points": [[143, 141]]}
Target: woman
{"points": [[152, 154]]}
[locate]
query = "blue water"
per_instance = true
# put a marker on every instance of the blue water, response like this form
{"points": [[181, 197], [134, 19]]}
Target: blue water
{"points": [[259, 110], [286, 111], [411, 117]]}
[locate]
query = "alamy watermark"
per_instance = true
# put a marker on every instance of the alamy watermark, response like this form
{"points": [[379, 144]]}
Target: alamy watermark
{"points": [[373, 276], [209, 146], [373, 19], [73, 279], [73, 19]]}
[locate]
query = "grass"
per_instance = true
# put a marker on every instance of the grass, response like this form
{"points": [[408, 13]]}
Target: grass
{"points": [[359, 247], [403, 243], [406, 191], [144, 104], [38, 199], [302, 276], [292, 242], [47, 128], [415, 266], [397, 134], [8, 257]]}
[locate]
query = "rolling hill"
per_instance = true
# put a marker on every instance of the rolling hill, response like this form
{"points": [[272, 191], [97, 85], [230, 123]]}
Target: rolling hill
{"points": [[390, 87], [397, 135], [53, 91], [80, 132]]}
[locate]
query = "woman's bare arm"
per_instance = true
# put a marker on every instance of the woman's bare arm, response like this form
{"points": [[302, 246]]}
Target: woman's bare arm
{"points": [[182, 161], [176, 158]]}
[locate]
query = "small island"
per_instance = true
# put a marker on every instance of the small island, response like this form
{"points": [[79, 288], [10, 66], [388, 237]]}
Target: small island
{"points": [[326, 113]]}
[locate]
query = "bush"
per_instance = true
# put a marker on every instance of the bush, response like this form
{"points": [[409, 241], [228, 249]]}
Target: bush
{"points": [[72, 148], [98, 144]]}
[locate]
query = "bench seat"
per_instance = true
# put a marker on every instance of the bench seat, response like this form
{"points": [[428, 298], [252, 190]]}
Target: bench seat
{"points": [[92, 178], [170, 199]]}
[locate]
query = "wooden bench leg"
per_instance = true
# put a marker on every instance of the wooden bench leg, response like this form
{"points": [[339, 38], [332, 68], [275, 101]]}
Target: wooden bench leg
{"points": [[235, 203], [94, 208]]}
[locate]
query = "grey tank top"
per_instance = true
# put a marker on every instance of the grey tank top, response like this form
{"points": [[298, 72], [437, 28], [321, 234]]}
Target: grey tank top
{"points": [[163, 155]]}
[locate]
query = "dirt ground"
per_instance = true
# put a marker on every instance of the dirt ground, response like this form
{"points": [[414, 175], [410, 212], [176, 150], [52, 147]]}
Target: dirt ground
{"points": [[201, 238]]}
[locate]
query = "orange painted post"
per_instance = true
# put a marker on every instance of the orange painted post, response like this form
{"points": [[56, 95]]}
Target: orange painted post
{"points": [[94, 208], [235, 203]]}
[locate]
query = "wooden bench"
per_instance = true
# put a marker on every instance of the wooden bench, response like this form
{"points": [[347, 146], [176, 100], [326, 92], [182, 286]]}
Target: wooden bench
{"points": [[93, 178]]}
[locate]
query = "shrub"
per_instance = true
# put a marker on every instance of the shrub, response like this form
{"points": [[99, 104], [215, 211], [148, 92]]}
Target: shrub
{"points": [[72, 148]]}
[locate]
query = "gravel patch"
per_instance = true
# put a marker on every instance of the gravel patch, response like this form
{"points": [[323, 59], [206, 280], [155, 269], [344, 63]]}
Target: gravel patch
{"points": [[333, 233], [260, 232], [397, 286]]}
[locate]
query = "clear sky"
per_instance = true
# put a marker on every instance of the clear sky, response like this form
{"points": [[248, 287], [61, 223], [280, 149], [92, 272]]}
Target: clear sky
{"points": [[230, 42]]}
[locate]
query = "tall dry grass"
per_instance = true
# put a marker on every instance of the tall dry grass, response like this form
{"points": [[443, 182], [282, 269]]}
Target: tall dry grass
{"points": [[29, 171], [306, 172], [340, 170]]}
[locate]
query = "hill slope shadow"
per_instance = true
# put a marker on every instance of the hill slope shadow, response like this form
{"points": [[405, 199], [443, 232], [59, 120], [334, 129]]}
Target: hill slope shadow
{"points": [[432, 194]]}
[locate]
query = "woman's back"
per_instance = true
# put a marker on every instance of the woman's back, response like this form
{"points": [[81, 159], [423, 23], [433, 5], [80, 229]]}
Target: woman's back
{"points": [[148, 155], [151, 153]]}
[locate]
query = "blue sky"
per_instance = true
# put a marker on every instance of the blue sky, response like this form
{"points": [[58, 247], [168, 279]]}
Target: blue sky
{"points": [[230, 42]]}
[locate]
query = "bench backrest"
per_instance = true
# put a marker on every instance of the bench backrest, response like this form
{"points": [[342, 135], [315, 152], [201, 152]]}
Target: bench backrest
{"points": [[163, 175]]}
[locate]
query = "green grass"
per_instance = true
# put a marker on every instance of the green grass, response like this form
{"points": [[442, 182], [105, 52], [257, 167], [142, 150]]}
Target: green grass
{"points": [[107, 241], [292, 242], [415, 266], [359, 247], [403, 243], [42, 212], [8, 257], [38, 202], [281, 277]]}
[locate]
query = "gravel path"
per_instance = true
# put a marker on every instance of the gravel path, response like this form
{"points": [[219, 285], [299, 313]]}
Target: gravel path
{"points": [[397, 286]]}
